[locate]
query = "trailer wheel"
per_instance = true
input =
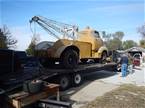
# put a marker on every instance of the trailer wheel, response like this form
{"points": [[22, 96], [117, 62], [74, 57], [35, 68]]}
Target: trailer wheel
{"points": [[84, 60], [70, 59], [64, 82], [77, 79]]}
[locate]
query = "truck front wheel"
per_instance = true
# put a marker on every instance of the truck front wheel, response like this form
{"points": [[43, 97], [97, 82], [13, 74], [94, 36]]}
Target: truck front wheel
{"points": [[104, 56], [70, 59]]}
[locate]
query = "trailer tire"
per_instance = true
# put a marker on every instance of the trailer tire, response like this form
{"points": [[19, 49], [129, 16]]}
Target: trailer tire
{"points": [[77, 79], [70, 59], [64, 82]]}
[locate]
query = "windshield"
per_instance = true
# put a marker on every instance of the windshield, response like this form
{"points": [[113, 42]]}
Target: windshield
{"points": [[96, 34]]}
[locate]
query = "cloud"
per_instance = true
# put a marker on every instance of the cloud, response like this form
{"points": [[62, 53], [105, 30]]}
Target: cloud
{"points": [[117, 9]]}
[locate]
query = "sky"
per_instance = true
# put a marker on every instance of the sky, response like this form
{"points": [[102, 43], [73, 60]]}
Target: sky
{"points": [[102, 15]]}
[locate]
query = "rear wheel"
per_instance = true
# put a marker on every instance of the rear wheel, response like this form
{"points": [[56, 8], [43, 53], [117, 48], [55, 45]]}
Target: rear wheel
{"points": [[70, 59], [102, 59], [77, 79], [64, 82]]}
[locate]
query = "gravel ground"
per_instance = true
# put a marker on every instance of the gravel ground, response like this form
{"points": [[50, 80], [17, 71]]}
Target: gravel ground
{"points": [[126, 96]]}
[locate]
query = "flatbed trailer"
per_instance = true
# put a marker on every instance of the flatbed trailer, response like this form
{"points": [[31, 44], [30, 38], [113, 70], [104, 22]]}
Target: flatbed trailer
{"points": [[55, 74], [64, 77], [73, 77]]}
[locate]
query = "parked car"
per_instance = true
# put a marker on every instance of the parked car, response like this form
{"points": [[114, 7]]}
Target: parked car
{"points": [[136, 59]]}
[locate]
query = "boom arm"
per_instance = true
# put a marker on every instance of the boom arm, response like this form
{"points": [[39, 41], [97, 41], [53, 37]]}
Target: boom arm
{"points": [[54, 27]]}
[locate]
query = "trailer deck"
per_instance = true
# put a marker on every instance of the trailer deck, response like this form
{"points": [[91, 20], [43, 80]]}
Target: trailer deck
{"points": [[12, 80], [84, 68]]}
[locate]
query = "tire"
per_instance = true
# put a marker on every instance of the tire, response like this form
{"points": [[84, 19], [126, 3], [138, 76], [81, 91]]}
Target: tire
{"points": [[70, 59], [84, 60], [104, 56], [102, 59], [32, 87], [64, 82], [118, 67], [77, 79]]}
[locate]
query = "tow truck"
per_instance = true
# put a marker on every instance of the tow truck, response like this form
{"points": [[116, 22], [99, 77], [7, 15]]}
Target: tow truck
{"points": [[71, 46]]}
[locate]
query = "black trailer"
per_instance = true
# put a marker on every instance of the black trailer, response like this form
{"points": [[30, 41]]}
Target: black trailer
{"points": [[6, 61], [11, 61], [65, 77], [73, 77]]}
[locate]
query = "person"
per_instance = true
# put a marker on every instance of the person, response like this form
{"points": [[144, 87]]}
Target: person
{"points": [[130, 64], [124, 65]]}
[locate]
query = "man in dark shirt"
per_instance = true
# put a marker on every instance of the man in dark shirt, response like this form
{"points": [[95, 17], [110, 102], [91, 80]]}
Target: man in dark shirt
{"points": [[124, 65]]}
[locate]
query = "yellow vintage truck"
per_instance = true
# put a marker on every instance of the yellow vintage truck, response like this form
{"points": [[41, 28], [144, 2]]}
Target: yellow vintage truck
{"points": [[69, 52]]}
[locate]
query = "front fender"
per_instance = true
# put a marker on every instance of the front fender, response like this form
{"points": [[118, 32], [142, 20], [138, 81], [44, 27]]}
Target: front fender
{"points": [[103, 48], [59, 51]]}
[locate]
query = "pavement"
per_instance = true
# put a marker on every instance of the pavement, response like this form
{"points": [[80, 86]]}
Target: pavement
{"points": [[90, 92], [100, 82], [137, 77]]}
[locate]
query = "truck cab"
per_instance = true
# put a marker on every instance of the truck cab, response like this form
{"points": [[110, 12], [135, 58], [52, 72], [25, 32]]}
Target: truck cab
{"points": [[92, 36]]}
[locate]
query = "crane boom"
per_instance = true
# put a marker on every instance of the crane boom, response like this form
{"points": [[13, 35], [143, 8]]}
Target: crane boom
{"points": [[54, 27]]}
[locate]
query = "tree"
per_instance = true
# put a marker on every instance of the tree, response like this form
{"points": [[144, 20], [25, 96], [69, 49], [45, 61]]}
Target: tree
{"points": [[105, 36], [119, 35], [129, 44], [114, 40], [114, 44], [31, 48], [117, 40], [6, 39], [142, 43], [141, 30]]}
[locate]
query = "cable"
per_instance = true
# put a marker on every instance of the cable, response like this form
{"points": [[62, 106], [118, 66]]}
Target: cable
{"points": [[54, 27]]}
